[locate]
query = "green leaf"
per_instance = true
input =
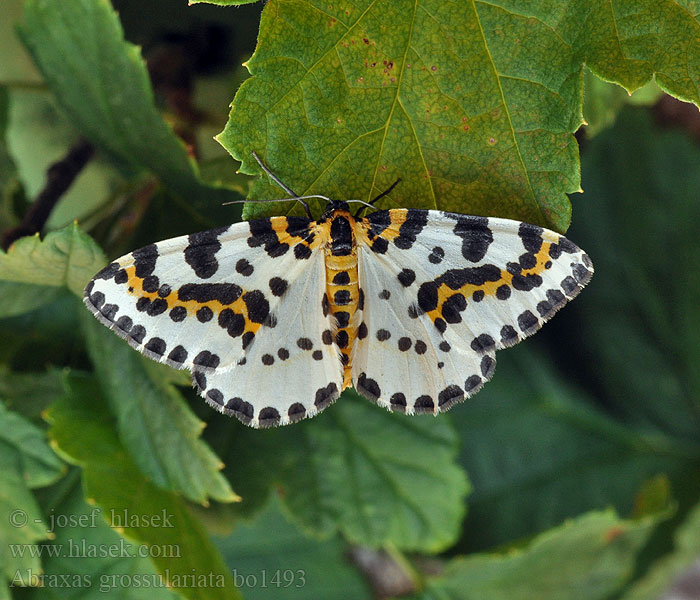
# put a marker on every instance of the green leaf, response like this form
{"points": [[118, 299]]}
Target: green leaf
{"points": [[538, 447], [472, 105], [538, 451], [39, 465], [101, 82], [26, 462], [155, 425], [19, 298], [602, 101], [270, 557], [589, 557], [37, 136], [48, 335], [84, 433], [640, 230], [376, 477], [101, 561], [628, 43], [29, 393], [16, 66], [662, 574], [411, 90], [67, 258]]}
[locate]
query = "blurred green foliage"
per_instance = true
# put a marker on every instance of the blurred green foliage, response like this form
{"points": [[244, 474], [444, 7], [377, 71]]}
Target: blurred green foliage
{"points": [[574, 474]]}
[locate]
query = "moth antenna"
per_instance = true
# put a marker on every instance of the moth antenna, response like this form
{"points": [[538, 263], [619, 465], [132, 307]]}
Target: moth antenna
{"points": [[276, 179], [359, 202], [358, 214]]}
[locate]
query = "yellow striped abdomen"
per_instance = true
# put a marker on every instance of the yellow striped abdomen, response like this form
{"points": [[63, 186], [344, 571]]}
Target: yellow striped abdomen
{"points": [[344, 298]]}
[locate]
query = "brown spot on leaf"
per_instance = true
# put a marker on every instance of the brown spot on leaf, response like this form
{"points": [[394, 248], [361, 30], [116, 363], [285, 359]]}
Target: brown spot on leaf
{"points": [[613, 533]]}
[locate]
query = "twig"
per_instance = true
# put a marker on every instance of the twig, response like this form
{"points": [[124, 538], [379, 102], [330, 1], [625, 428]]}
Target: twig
{"points": [[59, 178]]}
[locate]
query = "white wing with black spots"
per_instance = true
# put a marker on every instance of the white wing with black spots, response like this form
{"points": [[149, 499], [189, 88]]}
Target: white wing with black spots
{"points": [[218, 303], [445, 291], [290, 372]]}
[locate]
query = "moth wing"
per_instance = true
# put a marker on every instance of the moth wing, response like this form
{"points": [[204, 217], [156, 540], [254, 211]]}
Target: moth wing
{"points": [[224, 303], [443, 292]]}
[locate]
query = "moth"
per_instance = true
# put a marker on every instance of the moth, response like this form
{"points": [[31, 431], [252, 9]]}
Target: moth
{"points": [[275, 317]]}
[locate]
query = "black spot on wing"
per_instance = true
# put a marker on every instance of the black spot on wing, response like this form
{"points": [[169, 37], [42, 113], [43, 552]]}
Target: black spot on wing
{"points": [[257, 305], [137, 333], [416, 220], [456, 278], [278, 286], [528, 322], [397, 402], [302, 251], [383, 335], [450, 396], [125, 323], [379, 245], [420, 347], [563, 245], [156, 345], [226, 293], [262, 234], [428, 296], [531, 236], [424, 404], [151, 284], [178, 355], [109, 311], [488, 365], [157, 307], [475, 233], [368, 387], [206, 359], [452, 307], [326, 395], [199, 381], [244, 267], [406, 277], [177, 314], [201, 251], [243, 411], [526, 283], [232, 322], [145, 260], [305, 343], [216, 396], [296, 412], [269, 417], [436, 255], [204, 314], [483, 343], [379, 221], [508, 335], [111, 270], [472, 384], [97, 299], [362, 331]]}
